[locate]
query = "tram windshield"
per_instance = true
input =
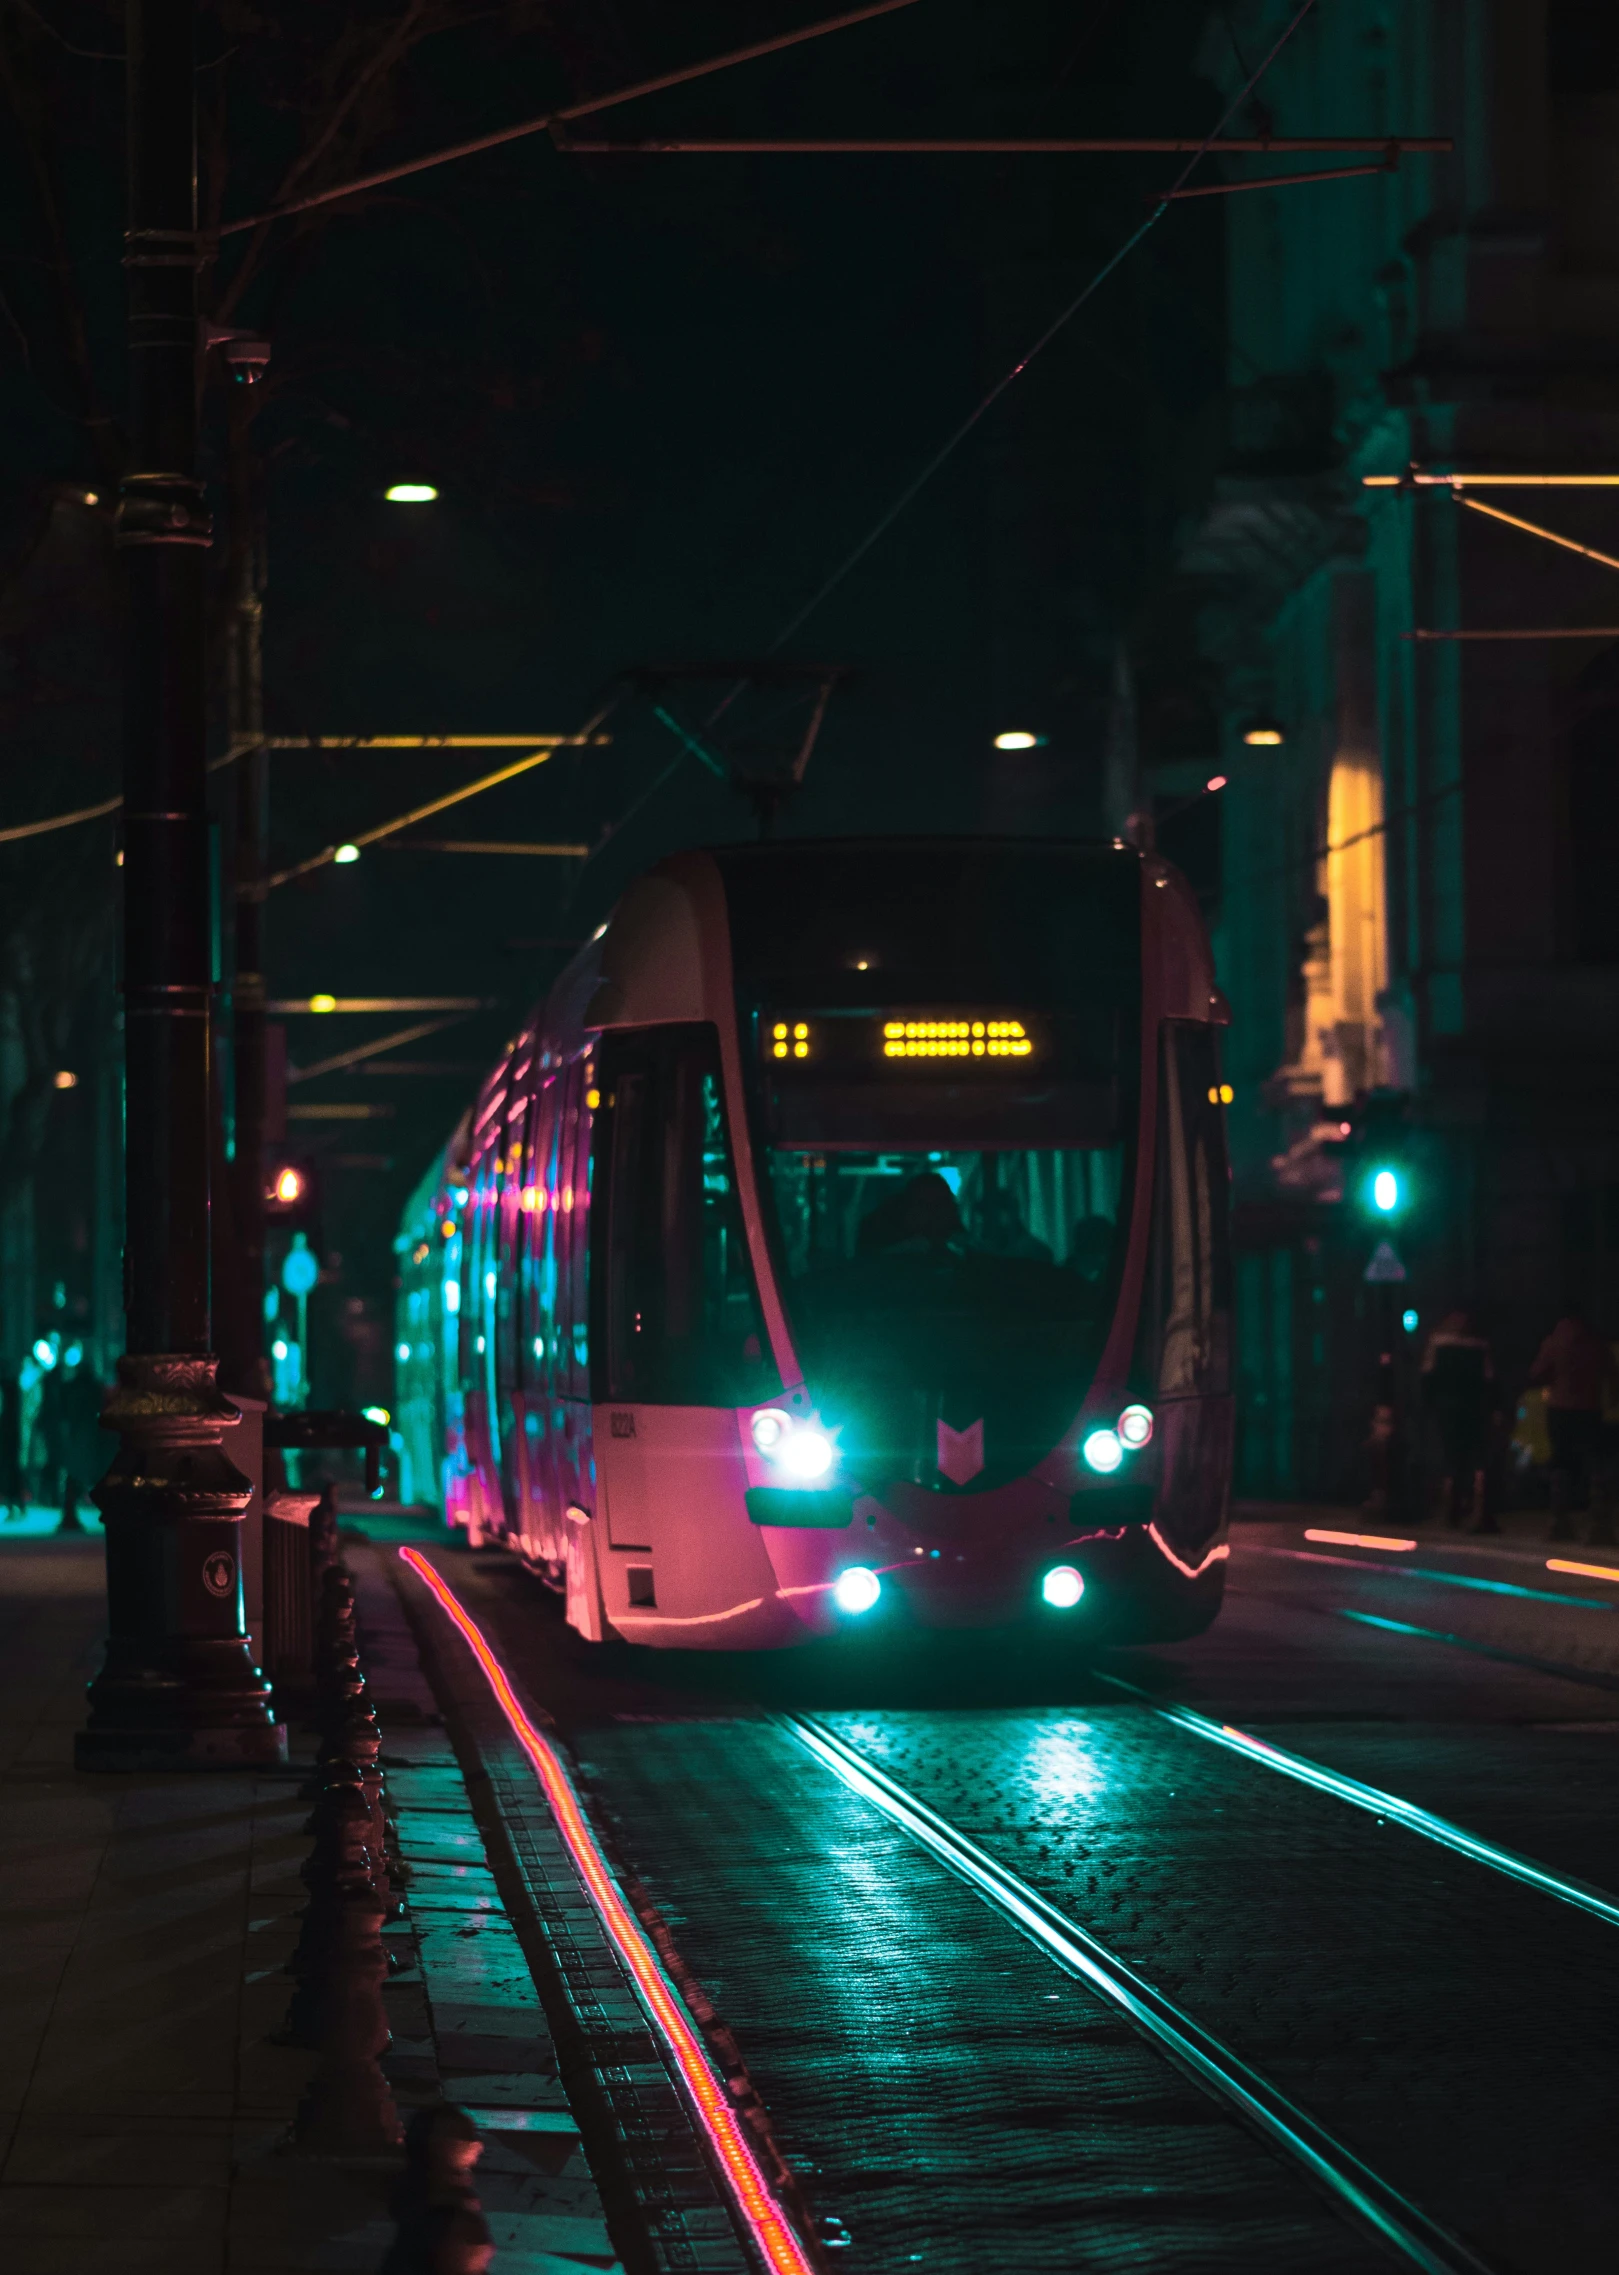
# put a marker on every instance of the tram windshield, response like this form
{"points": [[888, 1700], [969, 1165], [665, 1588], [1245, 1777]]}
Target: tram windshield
{"points": [[954, 1286], [943, 1043]]}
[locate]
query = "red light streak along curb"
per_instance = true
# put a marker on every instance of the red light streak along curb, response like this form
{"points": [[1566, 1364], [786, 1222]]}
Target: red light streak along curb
{"points": [[775, 2239]]}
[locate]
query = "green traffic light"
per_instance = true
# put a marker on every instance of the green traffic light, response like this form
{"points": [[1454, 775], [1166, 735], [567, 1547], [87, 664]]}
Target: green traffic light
{"points": [[1385, 1192]]}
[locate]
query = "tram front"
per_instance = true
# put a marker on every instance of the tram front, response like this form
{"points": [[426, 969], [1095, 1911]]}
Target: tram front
{"points": [[984, 1113]]}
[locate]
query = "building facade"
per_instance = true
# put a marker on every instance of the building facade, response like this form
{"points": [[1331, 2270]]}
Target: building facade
{"points": [[1419, 913]]}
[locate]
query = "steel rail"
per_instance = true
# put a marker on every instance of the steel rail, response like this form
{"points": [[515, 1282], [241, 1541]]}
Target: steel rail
{"points": [[1373, 2203], [764, 2223], [1378, 1803]]}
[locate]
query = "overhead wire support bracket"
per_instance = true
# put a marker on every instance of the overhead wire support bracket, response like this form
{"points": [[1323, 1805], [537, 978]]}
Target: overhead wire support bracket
{"points": [[991, 146], [550, 121]]}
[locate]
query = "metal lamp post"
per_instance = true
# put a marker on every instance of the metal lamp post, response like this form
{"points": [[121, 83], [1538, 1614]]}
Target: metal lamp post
{"points": [[178, 1687]]}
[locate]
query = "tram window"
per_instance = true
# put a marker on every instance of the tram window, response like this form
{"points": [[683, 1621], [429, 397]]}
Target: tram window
{"points": [[1054, 1205], [675, 1288], [950, 1286], [1193, 1279]]}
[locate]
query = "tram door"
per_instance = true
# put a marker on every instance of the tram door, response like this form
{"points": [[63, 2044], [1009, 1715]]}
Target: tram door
{"points": [[676, 1327]]}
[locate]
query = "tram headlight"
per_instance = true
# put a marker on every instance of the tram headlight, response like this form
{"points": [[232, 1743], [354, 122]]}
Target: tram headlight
{"points": [[1103, 1452], [1062, 1587], [805, 1454], [857, 1589], [1135, 1427], [800, 1450]]}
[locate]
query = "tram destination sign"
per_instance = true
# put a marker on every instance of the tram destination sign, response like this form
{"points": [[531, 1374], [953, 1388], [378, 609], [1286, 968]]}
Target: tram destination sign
{"points": [[987, 1041]]}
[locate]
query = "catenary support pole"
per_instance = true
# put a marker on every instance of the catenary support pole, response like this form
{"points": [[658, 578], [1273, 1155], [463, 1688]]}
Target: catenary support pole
{"points": [[241, 1337], [178, 1686]]}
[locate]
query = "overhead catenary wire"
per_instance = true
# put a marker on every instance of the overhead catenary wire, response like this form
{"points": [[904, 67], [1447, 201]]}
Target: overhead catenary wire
{"points": [[328, 854], [94, 813], [958, 436], [245, 743]]}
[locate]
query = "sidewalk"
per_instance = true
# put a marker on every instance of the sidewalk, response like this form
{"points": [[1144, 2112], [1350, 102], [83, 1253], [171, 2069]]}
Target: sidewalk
{"points": [[145, 1925]]}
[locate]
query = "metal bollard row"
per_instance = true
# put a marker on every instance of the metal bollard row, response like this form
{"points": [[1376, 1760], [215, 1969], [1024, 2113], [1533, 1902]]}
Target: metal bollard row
{"points": [[341, 1961]]}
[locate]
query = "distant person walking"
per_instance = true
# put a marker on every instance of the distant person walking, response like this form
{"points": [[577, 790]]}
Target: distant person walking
{"points": [[12, 1495], [1576, 1369], [1459, 1394]]}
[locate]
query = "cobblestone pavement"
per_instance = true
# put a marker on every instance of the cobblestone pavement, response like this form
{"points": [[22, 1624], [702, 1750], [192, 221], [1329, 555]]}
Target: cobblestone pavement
{"points": [[951, 2100]]}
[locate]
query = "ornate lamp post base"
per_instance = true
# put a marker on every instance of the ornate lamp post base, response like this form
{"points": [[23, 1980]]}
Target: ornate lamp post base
{"points": [[179, 1689]]}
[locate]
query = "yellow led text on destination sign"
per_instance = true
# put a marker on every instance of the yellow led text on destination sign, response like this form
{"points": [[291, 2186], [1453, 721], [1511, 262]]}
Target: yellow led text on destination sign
{"points": [[955, 1038]]}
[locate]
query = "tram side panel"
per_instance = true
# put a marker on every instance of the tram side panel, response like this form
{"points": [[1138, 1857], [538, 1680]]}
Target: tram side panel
{"points": [[678, 1344]]}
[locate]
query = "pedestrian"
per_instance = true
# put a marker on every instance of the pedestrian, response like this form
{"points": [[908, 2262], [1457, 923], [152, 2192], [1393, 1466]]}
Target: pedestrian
{"points": [[85, 1448], [1459, 1394], [12, 1496], [1575, 1367]]}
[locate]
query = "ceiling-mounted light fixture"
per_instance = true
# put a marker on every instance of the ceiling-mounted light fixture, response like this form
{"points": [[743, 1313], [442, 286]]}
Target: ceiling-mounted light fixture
{"points": [[1018, 738], [1264, 733], [410, 494]]}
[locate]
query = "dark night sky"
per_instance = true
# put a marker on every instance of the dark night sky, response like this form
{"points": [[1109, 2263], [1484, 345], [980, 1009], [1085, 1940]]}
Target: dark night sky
{"points": [[661, 398]]}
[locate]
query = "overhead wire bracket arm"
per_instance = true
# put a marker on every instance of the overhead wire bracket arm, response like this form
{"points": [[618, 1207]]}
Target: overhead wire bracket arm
{"points": [[362, 838], [1272, 182], [989, 146], [341, 1059], [550, 121], [1533, 529]]}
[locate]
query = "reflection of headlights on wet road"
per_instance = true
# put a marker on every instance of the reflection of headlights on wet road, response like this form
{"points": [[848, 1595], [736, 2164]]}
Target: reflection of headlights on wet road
{"points": [[1103, 1452], [857, 1589], [800, 1450], [1062, 1587]]}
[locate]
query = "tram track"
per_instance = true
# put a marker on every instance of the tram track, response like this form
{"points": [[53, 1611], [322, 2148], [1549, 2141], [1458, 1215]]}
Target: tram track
{"points": [[1372, 2203], [778, 1940]]}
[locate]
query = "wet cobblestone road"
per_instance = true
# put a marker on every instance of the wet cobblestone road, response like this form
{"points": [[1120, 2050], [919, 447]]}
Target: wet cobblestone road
{"points": [[952, 2100]]}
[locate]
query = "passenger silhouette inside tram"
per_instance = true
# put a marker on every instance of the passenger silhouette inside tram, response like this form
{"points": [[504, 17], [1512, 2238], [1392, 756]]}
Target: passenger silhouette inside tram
{"points": [[922, 1216], [1002, 1231]]}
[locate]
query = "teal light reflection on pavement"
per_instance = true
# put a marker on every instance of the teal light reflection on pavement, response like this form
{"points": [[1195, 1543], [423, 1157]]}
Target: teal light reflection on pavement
{"points": [[1495, 1587]]}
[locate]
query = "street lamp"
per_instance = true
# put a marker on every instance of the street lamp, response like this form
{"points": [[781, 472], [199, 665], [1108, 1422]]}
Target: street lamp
{"points": [[178, 1687]]}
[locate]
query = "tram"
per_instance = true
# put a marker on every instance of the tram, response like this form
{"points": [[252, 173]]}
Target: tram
{"points": [[845, 1240]]}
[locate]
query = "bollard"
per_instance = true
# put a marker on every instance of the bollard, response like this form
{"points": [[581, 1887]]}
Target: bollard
{"points": [[342, 1868], [348, 2110], [441, 2227], [342, 1962]]}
